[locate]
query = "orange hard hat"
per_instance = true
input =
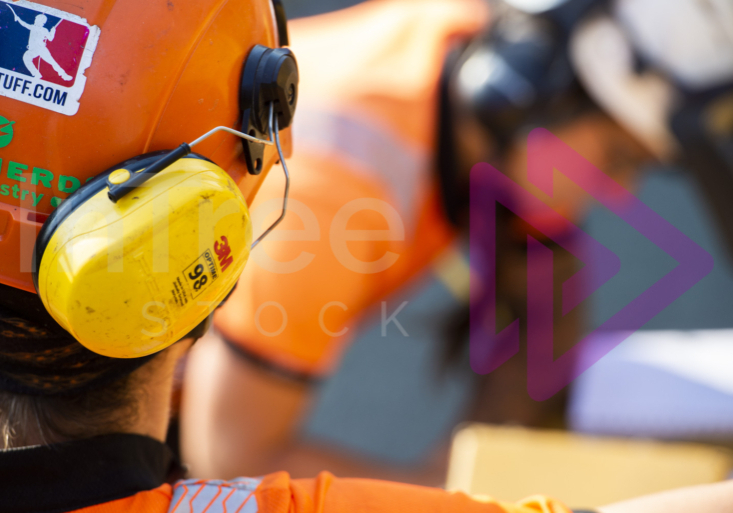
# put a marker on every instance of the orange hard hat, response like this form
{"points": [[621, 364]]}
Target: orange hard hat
{"points": [[88, 84]]}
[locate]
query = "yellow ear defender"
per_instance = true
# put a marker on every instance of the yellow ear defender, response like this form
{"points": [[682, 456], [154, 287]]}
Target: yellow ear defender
{"points": [[127, 279], [143, 253]]}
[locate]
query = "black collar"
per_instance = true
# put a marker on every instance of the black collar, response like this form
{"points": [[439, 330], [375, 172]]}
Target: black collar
{"points": [[73, 475]]}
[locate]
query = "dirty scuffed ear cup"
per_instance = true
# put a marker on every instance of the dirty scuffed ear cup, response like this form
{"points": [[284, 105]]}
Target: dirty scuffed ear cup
{"points": [[94, 263], [200, 330]]}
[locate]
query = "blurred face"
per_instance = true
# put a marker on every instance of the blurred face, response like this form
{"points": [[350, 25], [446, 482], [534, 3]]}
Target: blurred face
{"points": [[603, 143], [594, 135]]}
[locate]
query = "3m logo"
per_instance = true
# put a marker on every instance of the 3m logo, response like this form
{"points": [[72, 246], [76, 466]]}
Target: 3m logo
{"points": [[223, 253], [43, 55]]}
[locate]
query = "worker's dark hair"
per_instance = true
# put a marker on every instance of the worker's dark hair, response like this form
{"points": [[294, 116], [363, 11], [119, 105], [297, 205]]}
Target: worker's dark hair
{"points": [[51, 387], [44, 419], [38, 357]]}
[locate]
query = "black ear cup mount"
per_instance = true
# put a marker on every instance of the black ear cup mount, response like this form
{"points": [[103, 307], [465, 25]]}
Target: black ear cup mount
{"points": [[269, 76]]}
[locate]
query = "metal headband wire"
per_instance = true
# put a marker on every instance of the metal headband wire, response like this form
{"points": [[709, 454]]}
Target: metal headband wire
{"points": [[287, 179], [274, 139]]}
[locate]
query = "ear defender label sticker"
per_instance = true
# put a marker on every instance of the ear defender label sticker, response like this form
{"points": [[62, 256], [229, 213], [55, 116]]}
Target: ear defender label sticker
{"points": [[44, 53], [199, 275]]}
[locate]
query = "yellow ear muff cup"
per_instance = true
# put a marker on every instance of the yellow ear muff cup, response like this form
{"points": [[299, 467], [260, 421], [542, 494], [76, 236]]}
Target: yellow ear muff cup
{"points": [[128, 279]]}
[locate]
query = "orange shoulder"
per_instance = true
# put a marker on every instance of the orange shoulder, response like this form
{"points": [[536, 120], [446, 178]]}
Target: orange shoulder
{"points": [[277, 493], [157, 500], [327, 494]]}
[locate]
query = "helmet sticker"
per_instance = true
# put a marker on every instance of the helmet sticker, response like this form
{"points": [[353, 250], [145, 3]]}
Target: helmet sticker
{"points": [[6, 131], [44, 53]]}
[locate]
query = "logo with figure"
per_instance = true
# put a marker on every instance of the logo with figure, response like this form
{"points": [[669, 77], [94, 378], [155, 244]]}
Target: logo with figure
{"points": [[44, 53]]}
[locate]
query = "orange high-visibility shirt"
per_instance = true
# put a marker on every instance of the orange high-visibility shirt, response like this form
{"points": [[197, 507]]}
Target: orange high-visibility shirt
{"points": [[364, 213], [277, 493]]}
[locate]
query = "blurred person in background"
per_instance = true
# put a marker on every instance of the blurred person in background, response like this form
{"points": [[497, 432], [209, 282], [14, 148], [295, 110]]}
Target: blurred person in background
{"points": [[399, 100]]}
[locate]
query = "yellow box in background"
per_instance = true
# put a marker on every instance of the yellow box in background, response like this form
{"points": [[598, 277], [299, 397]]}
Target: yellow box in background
{"points": [[511, 463]]}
